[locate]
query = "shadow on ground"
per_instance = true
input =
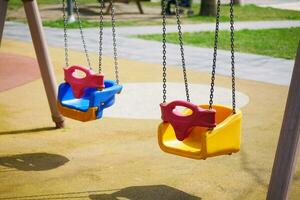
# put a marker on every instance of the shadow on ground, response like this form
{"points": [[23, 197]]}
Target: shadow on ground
{"points": [[152, 192], [33, 161], [255, 172], [35, 130], [149, 192]]}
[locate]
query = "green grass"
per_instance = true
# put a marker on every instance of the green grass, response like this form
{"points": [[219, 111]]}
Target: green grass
{"points": [[249, 13], [85, 24], [281, 43], [242, 13]]}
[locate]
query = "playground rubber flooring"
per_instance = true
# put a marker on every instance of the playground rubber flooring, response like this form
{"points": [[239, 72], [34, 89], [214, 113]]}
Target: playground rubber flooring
{"points": [[118, 157], [17, 70]]}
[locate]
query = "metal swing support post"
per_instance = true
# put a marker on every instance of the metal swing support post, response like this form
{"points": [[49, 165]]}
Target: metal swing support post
{"points": [[3, 10], [42, 54], [288, 145]]}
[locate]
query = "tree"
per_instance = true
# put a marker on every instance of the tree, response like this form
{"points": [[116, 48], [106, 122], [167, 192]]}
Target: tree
{"points": [[238, 2], [208, 8]]}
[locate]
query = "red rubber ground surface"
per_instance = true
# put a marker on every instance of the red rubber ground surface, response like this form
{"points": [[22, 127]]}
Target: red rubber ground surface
{"points": [[17, 70]]}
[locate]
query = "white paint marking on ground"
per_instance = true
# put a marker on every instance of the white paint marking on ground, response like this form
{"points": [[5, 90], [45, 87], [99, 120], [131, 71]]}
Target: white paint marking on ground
{"points": [[141, 100]]}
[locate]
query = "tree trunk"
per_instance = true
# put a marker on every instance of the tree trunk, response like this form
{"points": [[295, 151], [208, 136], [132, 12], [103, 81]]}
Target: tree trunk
{"points": [[238, 2], [208, 8]]}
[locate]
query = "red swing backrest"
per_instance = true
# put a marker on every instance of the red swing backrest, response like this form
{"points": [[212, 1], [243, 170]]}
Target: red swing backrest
{"points": [[78, 85], [181, 123]]}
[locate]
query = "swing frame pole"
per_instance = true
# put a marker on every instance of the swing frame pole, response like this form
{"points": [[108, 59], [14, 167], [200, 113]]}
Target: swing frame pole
{"points": [[3, 10], [288, 145], [42, 54]]}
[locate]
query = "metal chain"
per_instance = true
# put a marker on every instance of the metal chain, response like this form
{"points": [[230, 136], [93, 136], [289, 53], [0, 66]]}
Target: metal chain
{"points": [[164, 51], [81, 34], [232, 55], [101, 35], [65, 34], [113, 25], [182, 51], [213, 73]]}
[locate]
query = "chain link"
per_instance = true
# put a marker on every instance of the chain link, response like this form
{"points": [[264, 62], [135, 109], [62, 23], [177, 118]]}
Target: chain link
{"points": [[180, 38], [213, 73], [232, 55], [65, 34], [113, 25], [100, 36], [182, 51], [214, 54], [164, 51], [82, 35]]}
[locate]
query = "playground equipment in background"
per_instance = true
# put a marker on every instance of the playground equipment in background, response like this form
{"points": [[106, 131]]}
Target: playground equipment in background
{"points": [[71, 17], [200, 131], [183, 4], [138, 4], [85, 98]]}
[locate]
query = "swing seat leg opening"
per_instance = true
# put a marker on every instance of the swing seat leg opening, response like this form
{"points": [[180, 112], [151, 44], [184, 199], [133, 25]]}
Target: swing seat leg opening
{"points": [[202, 142], [90, 114]]}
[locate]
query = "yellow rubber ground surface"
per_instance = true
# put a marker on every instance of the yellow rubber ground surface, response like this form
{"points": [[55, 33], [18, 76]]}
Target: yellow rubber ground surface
{"points": [[120, 158]]}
